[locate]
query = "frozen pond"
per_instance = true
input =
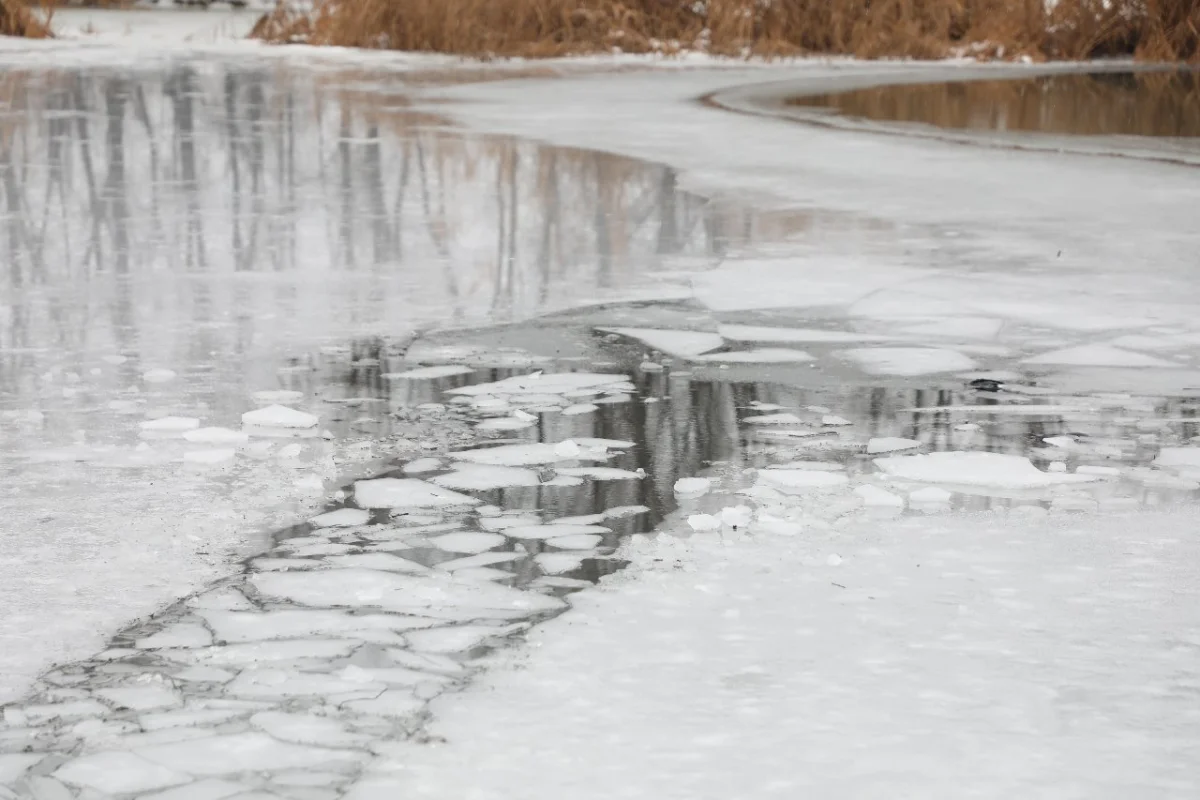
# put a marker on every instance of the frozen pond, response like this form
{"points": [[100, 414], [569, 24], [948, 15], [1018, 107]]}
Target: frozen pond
{"points": [[1142, 103]]}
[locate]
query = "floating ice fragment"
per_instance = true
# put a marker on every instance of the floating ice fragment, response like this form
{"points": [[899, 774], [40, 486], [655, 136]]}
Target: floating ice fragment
{"points": [[681, 344], [524, 416], [1178, 457], [762, 355], [579, 408], [546, 384], [974, 469], [789, 480], [703, 522], [620, 512], [1099, 355], [269, 396], [579, 541], [383, 561], [467, 542], [517, 455], [1057, 466], [419, 465], [966, 426], [830, 419], [158, 375], [119, 773], [429, 596], [612, 399], [888, 444], [342, 518], [908, 361], [693, 486], [737, 517], [242, 752], [481, 560], [567, 449], [774, 419], [279, 417], [601, 473], [754, 333], [557, 563], [563, 480], [170, 425], [428, 373], [486, 477], [552, 530], [504, 424], [877, 497], [216, 436], [930, 495], [1064, 442], [405, 493], [823, 466], [210, 456]]}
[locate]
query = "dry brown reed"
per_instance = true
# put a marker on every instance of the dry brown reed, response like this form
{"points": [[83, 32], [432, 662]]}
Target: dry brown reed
{"points": [[17, 18], [1071, 29]]}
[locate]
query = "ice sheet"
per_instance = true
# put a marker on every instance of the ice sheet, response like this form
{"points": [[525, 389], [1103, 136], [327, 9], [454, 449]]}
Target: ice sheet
{"points": [[406, 493], [486, 477], [908, 361], [974, 469]]}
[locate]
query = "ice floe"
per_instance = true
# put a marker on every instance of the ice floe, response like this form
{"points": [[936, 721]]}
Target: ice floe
{"points": [[467, 542], [277, 416], [1099, 355], [761, 355], [428, 373], [406, 493], [757, 333], [342, 518], [908, 361], [970, 468], [485, 477], [552, 530], [517, 455], [680, 344], [555, 383], [693, 486]]}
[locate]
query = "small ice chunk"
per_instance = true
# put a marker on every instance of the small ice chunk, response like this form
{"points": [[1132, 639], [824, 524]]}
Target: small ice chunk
{"points": [[1057, 466], [736, 516], [428, 373], [159, 375], [973, 468], [967, 426], [279, 417], [908, 361], [266, 397], [552, 530], [481, 560], [307, 729], [456, 639], [140, 698], [406, 493], [761, 355], [600, 473], [521, 455], [693, 486], [612, 399], [242, 752], [1098, 470], [889, 444], [680, 344], [602, 444], [170, 425], [563, 480], [389, 562], [486, 477], [558, 563], [467, 542], [210, 456], [420, 465], [181, 634], [704, 522], [930, 495], [774, 419], [620, 512], [512, 423], [119, 773], [508, 521], [1098, 355], [789, 480], [1063, 442], [216, 436], [579, 408], [579, 541], [524, 416], [830, 419], [1178, 457], [567, 449], [342, 518], [877, 497]]}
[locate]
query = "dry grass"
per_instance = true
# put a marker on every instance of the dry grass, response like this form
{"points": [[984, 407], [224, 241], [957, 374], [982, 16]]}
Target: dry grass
{"points": [[18, 19], [1150, 29]]}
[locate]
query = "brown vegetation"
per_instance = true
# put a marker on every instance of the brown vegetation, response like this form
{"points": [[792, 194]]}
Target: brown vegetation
{"points": [[18, 19], [1073, 29]]}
